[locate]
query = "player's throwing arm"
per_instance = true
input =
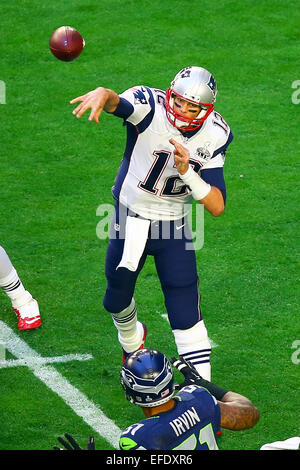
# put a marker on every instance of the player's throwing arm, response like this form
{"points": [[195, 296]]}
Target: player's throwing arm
{"points": [[97, 100]]}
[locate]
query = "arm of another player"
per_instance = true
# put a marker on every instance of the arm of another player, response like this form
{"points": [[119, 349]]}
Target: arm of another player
{"points": [[213, 199], [97, 100], [237, 411]]}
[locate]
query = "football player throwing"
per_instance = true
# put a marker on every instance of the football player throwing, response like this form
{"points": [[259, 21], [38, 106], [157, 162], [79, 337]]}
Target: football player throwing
{"points": [[174, 155]]}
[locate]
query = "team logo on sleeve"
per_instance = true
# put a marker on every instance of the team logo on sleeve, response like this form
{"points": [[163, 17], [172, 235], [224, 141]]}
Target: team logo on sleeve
{"points": [[139, 96]]}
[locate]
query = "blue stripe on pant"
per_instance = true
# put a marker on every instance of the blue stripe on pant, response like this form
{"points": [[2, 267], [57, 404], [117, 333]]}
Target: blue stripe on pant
{"points": [[176, 269]]}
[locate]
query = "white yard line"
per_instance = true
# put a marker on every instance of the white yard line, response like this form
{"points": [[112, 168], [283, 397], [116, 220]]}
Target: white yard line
{"points": [[79, 403], [35, 361]]}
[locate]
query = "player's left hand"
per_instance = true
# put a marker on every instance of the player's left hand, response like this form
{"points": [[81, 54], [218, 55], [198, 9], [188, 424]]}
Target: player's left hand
{"points": [[94, 100], [191, 376], [72, 444]]}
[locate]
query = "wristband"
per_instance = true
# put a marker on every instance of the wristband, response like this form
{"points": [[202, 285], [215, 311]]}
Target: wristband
{"points": [[198, 186], [215, 390]]}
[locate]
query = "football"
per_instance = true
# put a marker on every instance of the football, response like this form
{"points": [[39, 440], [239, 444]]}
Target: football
{"points": [[66, 43]]}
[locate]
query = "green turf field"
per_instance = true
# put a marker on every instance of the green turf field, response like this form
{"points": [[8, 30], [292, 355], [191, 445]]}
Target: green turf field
{"points": [[57, 170]]}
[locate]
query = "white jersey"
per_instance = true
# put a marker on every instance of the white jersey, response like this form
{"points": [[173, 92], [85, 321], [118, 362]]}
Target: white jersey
{"points": [[148, 182]]}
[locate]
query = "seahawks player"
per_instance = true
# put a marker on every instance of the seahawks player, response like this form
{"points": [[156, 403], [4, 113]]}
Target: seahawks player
{"points": [[174, 154], [188, 420], [24, 305]]}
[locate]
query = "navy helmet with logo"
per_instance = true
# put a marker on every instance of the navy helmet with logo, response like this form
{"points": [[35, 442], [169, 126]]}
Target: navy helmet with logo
{"points": [[147, 378]]}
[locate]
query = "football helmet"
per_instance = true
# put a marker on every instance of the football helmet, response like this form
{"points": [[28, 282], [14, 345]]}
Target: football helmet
{"points": [[147, 378], [196, 85]]}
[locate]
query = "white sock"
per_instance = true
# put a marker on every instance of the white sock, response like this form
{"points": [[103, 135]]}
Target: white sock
{"points": [[130, 331], [194, 345], [9, 279], [5, 263]]}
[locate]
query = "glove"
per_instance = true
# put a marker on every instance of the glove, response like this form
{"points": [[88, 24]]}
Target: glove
{"points": [[73, 445], [192, 377]]}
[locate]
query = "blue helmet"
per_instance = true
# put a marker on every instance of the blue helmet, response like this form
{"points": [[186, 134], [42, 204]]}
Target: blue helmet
{"points": [[147, 378]]}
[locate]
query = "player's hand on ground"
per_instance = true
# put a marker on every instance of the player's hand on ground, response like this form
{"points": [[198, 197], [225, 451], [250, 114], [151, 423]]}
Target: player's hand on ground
{"points": [[94, 100], [191, 376], [71, 444], [181, 157]]}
